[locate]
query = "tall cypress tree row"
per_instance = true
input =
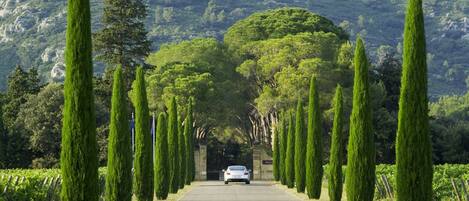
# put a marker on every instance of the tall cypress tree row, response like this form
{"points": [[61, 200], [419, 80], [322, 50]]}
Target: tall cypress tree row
{"points": [[173, 147], [119, 163], [182, 154], [413, 148], [290, 153], [335, 162], [276, 154], [189, 142], [314, 171], [79, 159], [300, 149], [161, 159], [360, 181], [143, 161], [283, 147]]}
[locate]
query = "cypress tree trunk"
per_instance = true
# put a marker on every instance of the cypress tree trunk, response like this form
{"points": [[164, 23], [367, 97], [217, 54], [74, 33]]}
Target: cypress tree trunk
{"points": [[290, 153], [79, 159], [335, 163], [276, 154], [173, 147], [119, 163], [360, 175], [182, 154], [143, 164], [189, 142], [161, 159], [300, 149], [314, 168], [283, 148], [414, 156]]}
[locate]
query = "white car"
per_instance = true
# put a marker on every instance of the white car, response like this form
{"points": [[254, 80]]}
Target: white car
{"points": [[237, 173]]}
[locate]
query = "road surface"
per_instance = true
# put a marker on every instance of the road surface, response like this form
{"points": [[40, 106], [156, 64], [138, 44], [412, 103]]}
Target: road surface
{"points": [[218, 191]]}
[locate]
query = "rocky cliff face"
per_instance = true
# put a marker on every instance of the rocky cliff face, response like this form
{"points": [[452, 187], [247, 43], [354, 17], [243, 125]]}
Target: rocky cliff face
{"points": [[32, 32]]}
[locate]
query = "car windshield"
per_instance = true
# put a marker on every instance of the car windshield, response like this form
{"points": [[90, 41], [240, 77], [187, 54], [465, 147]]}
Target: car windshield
{"points": [[236, 168]]}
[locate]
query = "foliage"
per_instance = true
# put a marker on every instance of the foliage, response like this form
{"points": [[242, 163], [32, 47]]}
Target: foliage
{"points": [[119, 164], [314, 157], [283, 147], [161, 159], [79, 161], [123, 38], [300, 149], [173, 147], [41, 116], [413, 145], [143, 162], [290, 153], [360, 179], [335, 178]]}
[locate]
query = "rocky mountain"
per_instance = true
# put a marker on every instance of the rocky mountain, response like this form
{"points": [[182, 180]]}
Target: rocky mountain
{"points": [[32, 32]]}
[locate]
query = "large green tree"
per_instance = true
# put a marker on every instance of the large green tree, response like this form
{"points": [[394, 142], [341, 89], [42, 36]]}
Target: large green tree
{"points": [[119, 160], [290, 152], [143, 164], [360, 181], [79, 160], [335, 178], [314, 170], [189, 142], [182, 153], [413, 147], [173, 147], [300, 149], [161, 159], [123, 38]]}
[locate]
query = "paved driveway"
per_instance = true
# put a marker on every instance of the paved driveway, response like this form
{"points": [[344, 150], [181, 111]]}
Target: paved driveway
{"points": [[218, 191]]}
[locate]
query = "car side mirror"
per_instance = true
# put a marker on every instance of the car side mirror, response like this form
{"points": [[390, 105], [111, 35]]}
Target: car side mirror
{"points": [[223, 170], [250, 170]]}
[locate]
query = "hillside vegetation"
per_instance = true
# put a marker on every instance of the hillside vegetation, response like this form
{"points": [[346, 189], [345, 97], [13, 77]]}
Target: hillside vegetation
{"points": [[32, 32]]}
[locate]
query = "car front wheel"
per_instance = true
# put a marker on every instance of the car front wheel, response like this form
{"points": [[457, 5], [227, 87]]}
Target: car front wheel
{"points": [[226, 182], [248, 182]]}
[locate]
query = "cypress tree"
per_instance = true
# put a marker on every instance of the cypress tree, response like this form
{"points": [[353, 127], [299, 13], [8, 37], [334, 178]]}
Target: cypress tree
{"points": [[300, 149], [161, 159], [143, 165], [413, 148], [79, 159], [314, 170], [360, 175], [189, 141], [276, 154], [119, 163], [182, 154], [283, 147], [173, 147], [335, 162], [290, 153]]}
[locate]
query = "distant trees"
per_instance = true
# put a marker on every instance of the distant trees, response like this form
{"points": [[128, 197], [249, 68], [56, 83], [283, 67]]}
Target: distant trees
{"points": [[79, 159], [360, 173], [314, 170], [119, 164], [413, 146], [143, 157]]}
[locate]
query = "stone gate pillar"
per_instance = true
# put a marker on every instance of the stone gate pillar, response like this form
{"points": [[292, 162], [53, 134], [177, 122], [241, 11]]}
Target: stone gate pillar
{"points": [[200, 158], [261, 164]]}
